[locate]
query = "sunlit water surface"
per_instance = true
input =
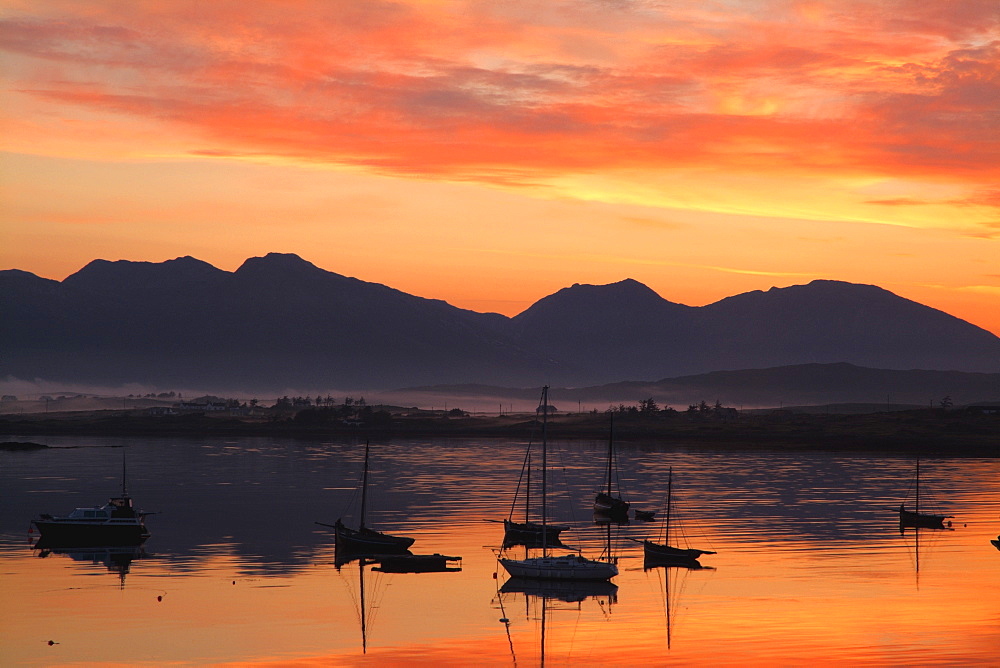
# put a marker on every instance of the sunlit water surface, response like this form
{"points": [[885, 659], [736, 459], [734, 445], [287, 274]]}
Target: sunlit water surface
{"points": [[810, 566]]}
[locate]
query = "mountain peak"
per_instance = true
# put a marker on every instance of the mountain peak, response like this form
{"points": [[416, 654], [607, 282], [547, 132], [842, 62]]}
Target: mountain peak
{"points": [[283, 264], [99, 274], [627, 292]]}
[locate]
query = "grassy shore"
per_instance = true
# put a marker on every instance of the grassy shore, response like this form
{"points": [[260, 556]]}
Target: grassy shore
{"points": [[925, 431]]}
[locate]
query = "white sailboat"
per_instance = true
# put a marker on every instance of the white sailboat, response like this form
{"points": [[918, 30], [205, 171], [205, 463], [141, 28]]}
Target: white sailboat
{"points": [[546, 566]]}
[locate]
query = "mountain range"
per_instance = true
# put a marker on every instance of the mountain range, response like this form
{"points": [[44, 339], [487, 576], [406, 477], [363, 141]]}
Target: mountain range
{"points": [[281, 322]]}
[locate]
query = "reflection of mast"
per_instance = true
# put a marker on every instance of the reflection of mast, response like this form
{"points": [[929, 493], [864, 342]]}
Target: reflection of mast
{"points": [[362, 608], [364, 628], [679, 573], [546, 596], [544, 615]]}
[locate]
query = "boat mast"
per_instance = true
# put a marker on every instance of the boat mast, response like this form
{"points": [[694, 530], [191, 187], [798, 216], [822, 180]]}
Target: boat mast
{"points": [[527, 491], [918, 486], [611, 450], [666, 524], [364, 488], [545, 462], [124, 489]]}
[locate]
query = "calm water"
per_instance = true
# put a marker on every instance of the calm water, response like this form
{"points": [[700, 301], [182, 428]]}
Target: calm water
{"points": [[811, 566]]}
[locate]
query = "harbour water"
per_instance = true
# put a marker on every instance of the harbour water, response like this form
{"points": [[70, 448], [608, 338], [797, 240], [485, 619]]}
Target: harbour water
{"points": [[811, 566]]}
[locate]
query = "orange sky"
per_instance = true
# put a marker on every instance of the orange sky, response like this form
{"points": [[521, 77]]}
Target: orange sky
{"points": [[490, 153]]}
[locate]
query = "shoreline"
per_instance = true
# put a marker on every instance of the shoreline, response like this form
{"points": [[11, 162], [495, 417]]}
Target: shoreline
{"points": [[927, 432]]}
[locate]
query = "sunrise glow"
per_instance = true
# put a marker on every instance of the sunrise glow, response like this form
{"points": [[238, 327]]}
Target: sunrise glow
{"points": [[489, 154]]}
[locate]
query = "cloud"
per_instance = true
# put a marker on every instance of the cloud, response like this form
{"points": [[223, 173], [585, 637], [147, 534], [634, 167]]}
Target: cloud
{"points": [[414, 90]]}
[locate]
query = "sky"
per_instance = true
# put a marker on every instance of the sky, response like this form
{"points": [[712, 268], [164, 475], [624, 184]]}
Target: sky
{"points": [[491, 153]]}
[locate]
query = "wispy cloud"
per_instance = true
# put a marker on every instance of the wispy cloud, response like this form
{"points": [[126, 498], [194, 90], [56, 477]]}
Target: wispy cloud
{"points": [[408, 89]]}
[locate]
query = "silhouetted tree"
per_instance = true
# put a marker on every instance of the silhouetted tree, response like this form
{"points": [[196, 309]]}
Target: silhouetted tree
{"points": [[648, 406]]}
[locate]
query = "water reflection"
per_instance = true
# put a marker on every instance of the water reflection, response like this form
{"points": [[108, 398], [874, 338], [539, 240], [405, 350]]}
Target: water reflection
{"points": [[673, 577], [115, 558], [810, 538], [542, 598]]}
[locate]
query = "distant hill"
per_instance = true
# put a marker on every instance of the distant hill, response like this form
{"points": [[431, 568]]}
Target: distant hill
{"points": [[280, 322], [276, 322], [806, 384], [626, 331]]}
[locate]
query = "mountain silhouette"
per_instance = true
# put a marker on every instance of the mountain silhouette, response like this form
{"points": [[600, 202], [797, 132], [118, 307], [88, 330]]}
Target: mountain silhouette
{"points": [[280, 322]]}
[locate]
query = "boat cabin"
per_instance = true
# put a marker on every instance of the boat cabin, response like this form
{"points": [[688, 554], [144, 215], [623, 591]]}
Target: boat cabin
{"points": [[95, 513], [121, 506]]}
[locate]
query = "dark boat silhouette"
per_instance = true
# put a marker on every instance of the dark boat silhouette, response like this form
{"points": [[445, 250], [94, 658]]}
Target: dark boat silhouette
{"points": [[915, 518], [117, 522], [364, 540], [606, 503], [416, 563], [528, 532], [664, 553], [546, 566]]}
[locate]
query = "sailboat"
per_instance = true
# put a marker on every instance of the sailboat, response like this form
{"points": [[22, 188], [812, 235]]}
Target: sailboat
{"points": [[605, 502], [364, 540], [528, 533], [916, 518], [664, 553], [547, 567]]}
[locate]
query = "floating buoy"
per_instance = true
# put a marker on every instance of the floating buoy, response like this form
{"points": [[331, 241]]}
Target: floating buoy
{"points": [[52, 642], [494, 575], [159, 598], [504, 620]]}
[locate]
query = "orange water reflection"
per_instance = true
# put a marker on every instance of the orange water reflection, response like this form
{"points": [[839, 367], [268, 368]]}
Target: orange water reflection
{"points": [[774, 593]]}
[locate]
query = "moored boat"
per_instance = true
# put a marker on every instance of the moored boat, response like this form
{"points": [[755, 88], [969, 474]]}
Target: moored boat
{"points": [[606, 503], [416, 563], [528, 532], [915, 518], [664, 553], [367, 541], [117, 522], [565, 567], [364, 540], [547, 567]]}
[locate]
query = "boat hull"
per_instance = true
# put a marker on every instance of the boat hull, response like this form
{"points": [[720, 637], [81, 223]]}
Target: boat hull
{"points": [[416, 563], [369, 541], [68, 533], [921, 520], [667, 554], [519, 532], [569, 567], [610, 505]]}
